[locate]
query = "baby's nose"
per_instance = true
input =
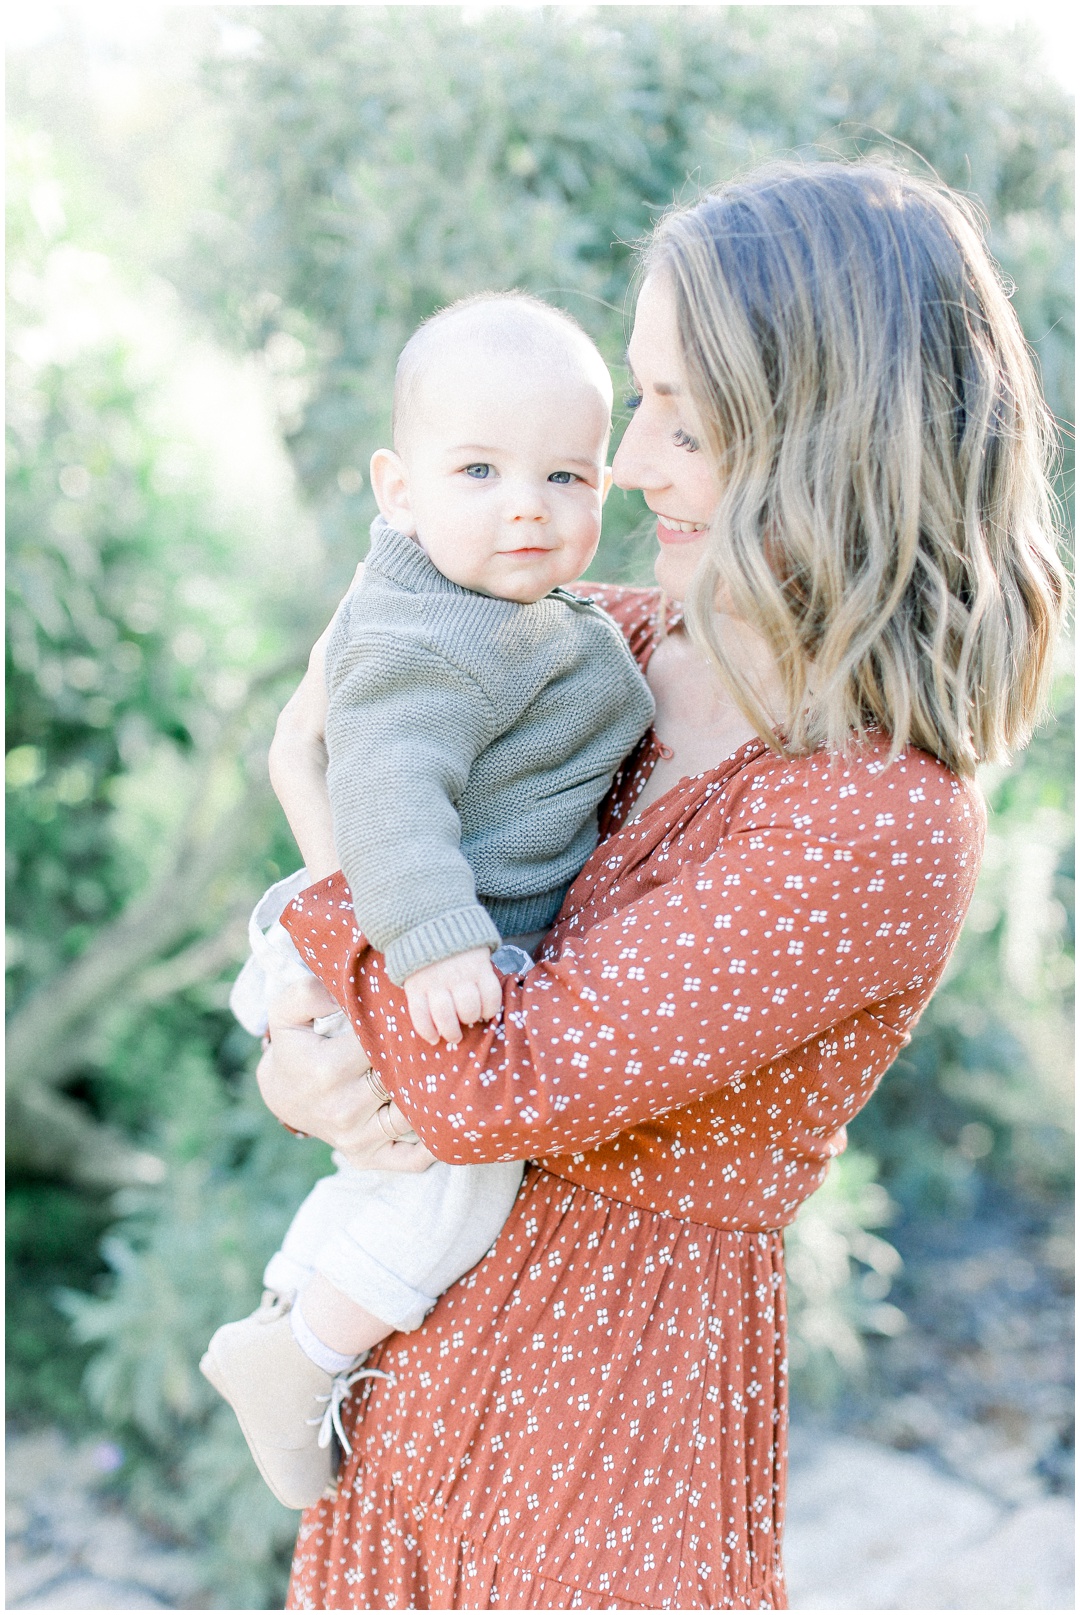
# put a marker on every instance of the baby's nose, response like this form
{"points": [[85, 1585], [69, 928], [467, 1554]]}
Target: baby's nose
{"points": [[526, 501]]}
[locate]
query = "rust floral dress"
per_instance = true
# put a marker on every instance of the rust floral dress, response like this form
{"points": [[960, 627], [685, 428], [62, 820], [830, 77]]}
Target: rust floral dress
{"points": [[595, 1416]]}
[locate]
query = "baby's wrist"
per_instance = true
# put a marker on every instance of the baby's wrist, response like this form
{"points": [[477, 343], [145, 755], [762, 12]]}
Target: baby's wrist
{"points": [[476, 957]]}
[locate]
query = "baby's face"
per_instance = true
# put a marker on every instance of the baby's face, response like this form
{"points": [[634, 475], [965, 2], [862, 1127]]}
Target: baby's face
{"points": [[504, 472]]}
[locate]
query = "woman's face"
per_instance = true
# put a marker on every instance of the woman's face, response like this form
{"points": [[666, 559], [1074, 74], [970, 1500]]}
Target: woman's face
{"points": [[659, 452]]}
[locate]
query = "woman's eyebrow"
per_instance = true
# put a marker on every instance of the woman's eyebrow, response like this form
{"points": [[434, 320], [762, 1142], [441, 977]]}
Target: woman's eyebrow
{"points": [[666, 389]]}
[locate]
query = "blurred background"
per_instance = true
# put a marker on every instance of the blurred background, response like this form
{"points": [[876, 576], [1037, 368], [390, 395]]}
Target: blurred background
{"points": [[223, 224]]}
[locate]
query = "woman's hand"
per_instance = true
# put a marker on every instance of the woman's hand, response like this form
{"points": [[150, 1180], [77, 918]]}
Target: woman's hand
{"points": [[298, 761], [319, 1085]]}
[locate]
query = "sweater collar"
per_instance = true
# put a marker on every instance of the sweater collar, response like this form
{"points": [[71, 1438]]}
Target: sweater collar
{"points": [[402, 560]]}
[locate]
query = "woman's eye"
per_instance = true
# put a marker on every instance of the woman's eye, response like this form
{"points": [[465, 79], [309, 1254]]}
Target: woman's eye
{"points": [[478, 471], [562, 476], [632, 400], [683, 440]]}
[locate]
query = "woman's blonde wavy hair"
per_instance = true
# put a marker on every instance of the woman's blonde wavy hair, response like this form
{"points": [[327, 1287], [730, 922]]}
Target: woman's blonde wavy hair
{"points": [[875, 421]]}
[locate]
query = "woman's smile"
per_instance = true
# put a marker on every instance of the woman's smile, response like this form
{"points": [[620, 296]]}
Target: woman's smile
{"points": [[670, 531]]}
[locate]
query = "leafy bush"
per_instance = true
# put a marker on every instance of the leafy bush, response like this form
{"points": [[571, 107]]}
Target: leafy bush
{"points": [[839, 1272], [142, 651], [52, 1238], [182, 1258], [382, 161]]}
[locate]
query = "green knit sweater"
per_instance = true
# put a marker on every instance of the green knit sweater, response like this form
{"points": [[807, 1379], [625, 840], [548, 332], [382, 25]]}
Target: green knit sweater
{"points": [[470, 742]]}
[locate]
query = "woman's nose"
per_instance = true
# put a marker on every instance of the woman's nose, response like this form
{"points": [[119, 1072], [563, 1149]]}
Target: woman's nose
{"points": [[632, 466]]}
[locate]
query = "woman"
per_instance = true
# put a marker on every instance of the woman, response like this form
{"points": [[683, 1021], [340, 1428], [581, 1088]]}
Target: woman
{"points": [[838, 427]]}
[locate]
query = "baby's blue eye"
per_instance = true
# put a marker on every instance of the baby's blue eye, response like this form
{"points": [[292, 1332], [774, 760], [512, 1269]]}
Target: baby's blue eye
{"points": [[478, 471], [632, 400], [561, 476]]}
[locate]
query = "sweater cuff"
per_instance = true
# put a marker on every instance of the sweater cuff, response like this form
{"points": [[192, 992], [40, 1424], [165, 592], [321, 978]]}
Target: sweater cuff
{"points": [[441, 938]]}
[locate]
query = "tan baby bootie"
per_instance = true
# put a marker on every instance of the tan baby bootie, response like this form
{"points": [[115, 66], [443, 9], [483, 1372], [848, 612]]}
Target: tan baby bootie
{"points": [[284, 1402]]}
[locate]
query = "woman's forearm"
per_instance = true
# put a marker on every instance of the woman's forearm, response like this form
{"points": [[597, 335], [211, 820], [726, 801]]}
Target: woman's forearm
{"points": [[297, 762]]}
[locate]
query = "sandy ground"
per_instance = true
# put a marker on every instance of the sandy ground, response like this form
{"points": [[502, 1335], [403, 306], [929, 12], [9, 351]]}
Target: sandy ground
{"points": [[869, 1528]]}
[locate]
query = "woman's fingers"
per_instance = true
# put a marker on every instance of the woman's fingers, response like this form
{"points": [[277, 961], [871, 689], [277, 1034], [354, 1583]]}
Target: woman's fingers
{"points": [[403, 1156], [317, 1086], [384, 1138], [310, 1082], [401, 1125], [300, 1004]]}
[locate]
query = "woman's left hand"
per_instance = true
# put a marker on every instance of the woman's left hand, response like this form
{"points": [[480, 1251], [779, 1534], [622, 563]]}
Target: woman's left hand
{"points": [[298, 760], [321, 1086]]}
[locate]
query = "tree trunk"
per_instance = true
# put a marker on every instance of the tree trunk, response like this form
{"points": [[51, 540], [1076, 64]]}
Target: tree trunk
{"points": [[49, 1035]]}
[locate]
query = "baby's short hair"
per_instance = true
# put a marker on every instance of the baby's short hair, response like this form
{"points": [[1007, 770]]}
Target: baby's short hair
{"points": [[512, 319]]}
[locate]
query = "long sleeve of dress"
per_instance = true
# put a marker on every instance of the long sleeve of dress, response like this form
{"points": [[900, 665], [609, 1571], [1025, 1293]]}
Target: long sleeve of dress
{"points": [[744, 918]]}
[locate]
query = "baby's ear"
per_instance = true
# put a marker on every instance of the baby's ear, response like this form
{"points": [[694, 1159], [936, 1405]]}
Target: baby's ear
{"points": [[605, 486], [390, 485]]}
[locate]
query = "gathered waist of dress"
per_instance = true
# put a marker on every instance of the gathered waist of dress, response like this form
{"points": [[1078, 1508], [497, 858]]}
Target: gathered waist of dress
{"points": [[658, 1198]]}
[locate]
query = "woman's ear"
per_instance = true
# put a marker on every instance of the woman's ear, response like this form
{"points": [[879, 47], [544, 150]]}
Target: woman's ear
{"points": [[390, 485]]}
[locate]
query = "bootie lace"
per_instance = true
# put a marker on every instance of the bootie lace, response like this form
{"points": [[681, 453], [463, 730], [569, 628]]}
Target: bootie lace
{"points": [[341, 1385]]}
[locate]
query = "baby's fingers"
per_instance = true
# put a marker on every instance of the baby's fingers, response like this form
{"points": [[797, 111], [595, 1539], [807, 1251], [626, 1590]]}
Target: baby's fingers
{"points": [[441, 1009], [490, 994], [420, 1014], [467, 1002]]}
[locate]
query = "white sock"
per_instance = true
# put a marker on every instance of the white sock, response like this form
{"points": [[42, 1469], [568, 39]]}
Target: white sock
{"points": [[324, 1357]]}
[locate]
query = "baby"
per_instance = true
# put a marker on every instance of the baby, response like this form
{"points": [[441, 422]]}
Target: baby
{"points": [[477, 713]]}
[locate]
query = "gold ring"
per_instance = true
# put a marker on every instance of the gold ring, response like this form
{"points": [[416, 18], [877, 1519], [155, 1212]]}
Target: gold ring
{"points": [[376, 1087], [386, 1125]]}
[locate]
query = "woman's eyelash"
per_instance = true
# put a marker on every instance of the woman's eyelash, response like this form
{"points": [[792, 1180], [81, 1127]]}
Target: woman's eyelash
{"points": [[681, 439]]}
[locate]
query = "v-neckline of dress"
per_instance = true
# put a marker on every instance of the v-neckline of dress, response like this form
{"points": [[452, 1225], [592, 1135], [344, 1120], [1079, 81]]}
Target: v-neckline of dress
{"points": [[638, 767]]}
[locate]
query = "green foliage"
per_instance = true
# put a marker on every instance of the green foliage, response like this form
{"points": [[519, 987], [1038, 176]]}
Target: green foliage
{"points": [[839, 1274], [95, 618], [140, 654], [182, 1258], [137, 629], [51, 1239], [131, 621], [385, 160]]}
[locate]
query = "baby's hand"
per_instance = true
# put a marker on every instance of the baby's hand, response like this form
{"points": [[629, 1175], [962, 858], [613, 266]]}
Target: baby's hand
{"points": [[453, 993]]}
